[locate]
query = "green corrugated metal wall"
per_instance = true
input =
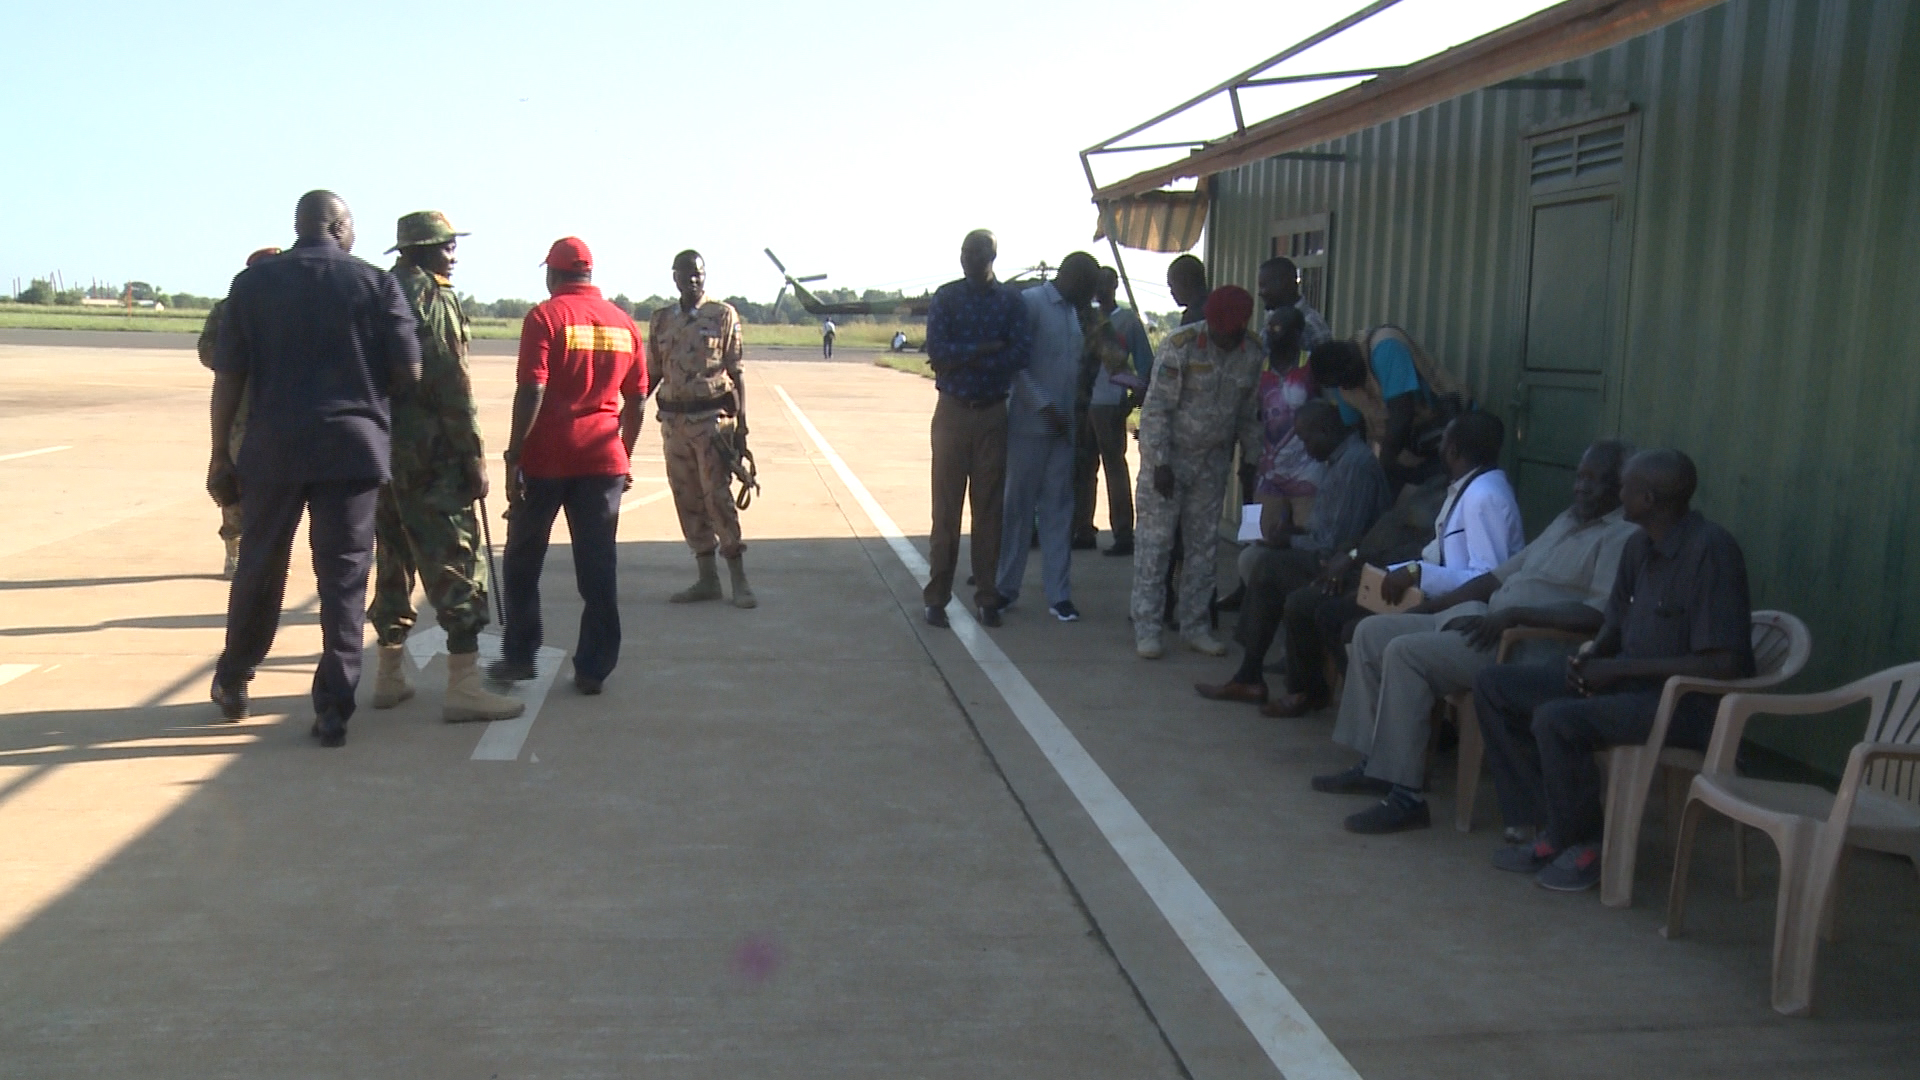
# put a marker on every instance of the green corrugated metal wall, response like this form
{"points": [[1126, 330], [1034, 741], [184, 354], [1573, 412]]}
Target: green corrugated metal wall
{"points": [[1773, 326]]}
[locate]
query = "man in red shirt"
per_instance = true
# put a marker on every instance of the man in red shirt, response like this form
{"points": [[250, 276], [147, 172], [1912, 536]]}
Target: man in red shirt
{"points": [[582, 394]]}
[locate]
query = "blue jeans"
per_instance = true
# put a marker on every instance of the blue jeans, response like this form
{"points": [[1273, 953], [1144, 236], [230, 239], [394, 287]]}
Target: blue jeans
{"points": [[592, 505], [1039, 478]]}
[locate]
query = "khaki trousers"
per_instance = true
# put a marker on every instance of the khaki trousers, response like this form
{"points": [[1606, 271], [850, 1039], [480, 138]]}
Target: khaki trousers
{"points": [[969, 469]]}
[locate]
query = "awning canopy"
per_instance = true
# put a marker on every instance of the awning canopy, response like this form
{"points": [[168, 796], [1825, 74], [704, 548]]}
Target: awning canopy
{"points": [[1155, 220], [1565, 32]]}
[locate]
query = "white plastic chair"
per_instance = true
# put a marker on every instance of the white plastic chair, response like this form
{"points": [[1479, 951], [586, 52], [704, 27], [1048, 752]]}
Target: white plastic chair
{"points": [[1781, 645], [1877, 807]]}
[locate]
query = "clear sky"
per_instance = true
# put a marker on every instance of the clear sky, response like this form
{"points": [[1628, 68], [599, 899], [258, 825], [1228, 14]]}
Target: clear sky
{"points": [[858, 139]]}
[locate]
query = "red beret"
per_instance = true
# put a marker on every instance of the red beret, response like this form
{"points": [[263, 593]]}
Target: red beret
{"points": [[1228, 308], [263, 253]]}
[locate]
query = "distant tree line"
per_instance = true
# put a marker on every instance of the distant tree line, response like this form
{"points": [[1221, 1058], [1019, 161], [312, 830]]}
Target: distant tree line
{"points": [[787, 311], [42, 291]]}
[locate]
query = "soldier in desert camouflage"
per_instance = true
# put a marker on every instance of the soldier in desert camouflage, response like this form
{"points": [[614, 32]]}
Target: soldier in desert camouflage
{"points": [[1201, 400], [694, 352]]}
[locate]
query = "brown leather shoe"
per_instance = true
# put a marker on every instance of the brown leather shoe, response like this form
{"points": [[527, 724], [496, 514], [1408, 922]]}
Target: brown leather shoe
{"points": [[1251, 693], [1293, 706]]}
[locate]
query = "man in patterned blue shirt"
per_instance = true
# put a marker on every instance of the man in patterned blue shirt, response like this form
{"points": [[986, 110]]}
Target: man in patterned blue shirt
{"points": [[977, 339]]}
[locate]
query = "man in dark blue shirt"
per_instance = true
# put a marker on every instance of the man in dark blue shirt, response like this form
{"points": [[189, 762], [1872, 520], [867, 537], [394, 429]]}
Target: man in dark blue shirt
{"points": [[316, 340], [1679, 606], [977, 340]]}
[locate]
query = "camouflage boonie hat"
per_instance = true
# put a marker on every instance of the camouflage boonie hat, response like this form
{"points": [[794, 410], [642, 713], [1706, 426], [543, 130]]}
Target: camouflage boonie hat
{"points": [[423, 227]]}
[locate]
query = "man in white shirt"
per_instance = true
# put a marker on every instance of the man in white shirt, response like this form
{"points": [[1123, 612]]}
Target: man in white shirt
{"points": [[1401, 664], [1479, 524]]}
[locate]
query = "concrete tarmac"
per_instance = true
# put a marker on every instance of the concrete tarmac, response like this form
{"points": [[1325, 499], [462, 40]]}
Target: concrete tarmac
{"points": [[816, 839]]}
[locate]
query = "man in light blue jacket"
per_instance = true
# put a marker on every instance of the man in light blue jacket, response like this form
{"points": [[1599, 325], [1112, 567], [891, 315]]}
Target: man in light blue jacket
{"points": [[1040, 437]]}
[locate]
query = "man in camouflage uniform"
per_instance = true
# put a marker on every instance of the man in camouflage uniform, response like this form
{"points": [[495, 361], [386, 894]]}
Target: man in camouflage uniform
{"points": [[424, 523], [693, 352], [1201, 400], [229, 511]]}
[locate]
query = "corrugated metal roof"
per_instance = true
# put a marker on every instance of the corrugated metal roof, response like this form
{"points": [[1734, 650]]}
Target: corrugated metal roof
{"points": [[1568, 30]]}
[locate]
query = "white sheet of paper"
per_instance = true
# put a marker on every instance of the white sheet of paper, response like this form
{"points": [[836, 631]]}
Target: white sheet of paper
{"points": [[1249, 523]]}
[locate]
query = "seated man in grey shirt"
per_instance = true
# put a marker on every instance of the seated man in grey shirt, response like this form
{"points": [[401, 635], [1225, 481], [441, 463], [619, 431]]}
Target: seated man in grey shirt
{"points": [[1401, 664]]}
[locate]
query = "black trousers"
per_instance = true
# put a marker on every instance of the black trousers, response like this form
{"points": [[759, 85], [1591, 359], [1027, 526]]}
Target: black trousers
{"points": [[1541, 736], [1316, 622], [592, 506], [340, 531], [1276, 575], [1102, 448]]}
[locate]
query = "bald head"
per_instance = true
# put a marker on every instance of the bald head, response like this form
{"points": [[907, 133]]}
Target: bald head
{"points": [[1079, 276], [322, 215], [1658, 485], [977, 253], [1187, 281]]}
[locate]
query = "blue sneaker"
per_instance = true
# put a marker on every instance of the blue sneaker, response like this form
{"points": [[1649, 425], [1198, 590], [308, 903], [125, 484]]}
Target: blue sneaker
{"points": [[1065, 611], [1576, 869]]}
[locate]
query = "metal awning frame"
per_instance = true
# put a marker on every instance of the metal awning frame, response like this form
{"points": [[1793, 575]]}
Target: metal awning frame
{"points": [[1247, 79]]}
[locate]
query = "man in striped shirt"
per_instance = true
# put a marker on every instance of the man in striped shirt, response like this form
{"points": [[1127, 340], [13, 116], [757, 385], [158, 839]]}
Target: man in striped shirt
{"points": [[576, 415]]}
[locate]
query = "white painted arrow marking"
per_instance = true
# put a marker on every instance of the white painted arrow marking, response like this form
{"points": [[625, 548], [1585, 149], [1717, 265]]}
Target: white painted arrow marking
{"points": [[503, 739]]}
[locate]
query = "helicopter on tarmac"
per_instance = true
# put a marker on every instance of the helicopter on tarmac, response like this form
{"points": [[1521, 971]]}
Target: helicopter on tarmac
{"points": [[913, 306]]}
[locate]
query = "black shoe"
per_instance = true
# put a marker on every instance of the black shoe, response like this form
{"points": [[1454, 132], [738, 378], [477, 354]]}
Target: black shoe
{"points": [[1395, 813], [1120, 549], [504, 670], [232, 701], [589, 687], [1065, 611], [1354, 781], [330, 730], [937, 617], [988, 614], [1085, 542]]}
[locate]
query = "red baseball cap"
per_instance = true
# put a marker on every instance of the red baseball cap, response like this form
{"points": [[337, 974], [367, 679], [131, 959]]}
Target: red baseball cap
{"points": [[569, 253]]}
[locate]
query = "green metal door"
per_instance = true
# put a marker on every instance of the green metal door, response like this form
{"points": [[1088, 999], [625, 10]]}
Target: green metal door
{"points": [[1578, 245]]}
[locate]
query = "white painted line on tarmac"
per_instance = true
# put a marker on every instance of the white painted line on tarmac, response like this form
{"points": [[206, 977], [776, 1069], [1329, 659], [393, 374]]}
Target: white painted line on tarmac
{"points": [[635, 504], [503, 739], [1291, 1039], [10, 672], [34, 453]]}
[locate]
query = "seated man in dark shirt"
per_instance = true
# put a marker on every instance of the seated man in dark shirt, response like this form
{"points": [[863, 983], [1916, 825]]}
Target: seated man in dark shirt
{"points": [[1679, 606]]}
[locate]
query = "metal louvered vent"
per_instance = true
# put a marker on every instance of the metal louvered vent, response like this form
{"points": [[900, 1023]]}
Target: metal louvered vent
{"points": [[1588, 157]]}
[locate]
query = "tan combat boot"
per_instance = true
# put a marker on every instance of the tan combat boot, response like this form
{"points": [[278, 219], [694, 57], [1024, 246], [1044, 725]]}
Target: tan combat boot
{"points": [[390, 685], [742, 595], [233, 558], [707, 588], [468, 698]]}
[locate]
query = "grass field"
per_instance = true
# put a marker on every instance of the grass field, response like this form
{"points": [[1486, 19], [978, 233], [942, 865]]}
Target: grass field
{"points": [[38, 317], [912, 363]]}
